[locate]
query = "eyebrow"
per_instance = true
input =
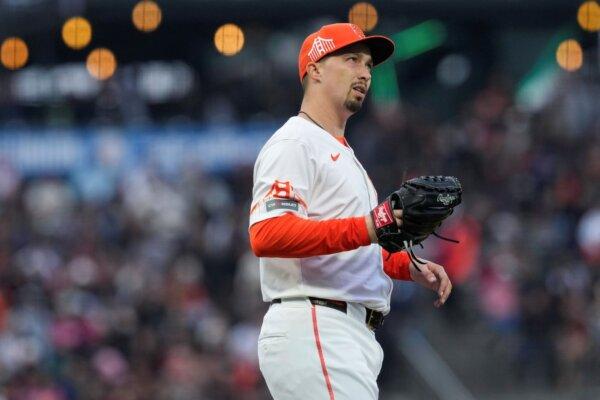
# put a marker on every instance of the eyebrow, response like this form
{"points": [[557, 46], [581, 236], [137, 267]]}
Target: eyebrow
{"points": [[356, 53]]}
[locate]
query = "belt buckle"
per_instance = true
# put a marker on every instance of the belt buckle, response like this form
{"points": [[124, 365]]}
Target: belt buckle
{"points": [[374, 319]]}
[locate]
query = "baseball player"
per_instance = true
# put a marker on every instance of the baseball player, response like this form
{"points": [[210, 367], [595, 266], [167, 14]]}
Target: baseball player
{"points": [[312, 225]]}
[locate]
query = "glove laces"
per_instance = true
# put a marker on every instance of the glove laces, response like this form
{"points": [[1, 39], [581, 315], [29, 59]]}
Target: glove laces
{"points": [[408, 245]]}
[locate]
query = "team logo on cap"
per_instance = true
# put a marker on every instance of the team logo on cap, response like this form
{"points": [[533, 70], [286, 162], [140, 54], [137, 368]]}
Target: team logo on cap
{"points": [[357, 30], [320, 47]]}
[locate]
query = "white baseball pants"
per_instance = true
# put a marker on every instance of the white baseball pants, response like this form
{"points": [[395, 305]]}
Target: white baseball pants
{"points": [[309, 352]]}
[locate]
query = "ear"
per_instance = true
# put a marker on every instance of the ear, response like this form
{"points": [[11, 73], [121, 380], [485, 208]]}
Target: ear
{"points": [[313, 70]]}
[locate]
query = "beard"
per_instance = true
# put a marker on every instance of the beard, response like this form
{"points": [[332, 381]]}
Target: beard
{"points": [[353, 105]]}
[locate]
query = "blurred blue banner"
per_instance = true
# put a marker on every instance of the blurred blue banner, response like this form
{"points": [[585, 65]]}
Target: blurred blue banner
{"points": [[52, 151]]}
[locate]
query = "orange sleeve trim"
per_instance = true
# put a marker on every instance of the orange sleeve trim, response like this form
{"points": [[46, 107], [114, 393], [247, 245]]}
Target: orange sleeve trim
{"points": [[289, 236], [396, 266]]}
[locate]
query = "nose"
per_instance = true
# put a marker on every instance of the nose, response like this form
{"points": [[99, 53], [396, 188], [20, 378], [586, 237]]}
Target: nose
{"points": [[365, 73]]}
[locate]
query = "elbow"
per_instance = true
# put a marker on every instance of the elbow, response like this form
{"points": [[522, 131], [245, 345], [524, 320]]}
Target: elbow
{"points": [[257, 248], [257, 243]]}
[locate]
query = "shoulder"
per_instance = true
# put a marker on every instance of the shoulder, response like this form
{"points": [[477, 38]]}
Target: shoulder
{"points": [[293, 135]]}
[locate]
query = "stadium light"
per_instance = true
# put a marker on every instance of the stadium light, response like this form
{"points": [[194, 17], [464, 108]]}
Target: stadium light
{"points": [[569, 55], [229, 39], [146, 16], [364, 15], [101, 63], [14, 53], [77, 32], [588, 16], [535, 87]]}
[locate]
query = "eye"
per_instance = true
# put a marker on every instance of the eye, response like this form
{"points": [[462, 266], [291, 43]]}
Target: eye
{"points": [[352, 58]]}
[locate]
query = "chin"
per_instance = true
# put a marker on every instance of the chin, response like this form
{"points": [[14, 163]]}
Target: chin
{"points": [[353, 105]]}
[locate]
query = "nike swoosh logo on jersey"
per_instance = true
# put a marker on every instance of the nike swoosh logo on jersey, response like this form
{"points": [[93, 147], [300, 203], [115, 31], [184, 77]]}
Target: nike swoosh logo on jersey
{"points": [[334, 157]]}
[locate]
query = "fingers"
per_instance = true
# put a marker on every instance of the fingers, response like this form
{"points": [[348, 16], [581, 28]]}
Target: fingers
{"points": [[398, 217], [430, 276], [423, 275], [445, 286], [434, 277]]}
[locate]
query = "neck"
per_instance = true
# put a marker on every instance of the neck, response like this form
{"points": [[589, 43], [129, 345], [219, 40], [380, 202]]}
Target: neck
{"points": [[324, 114]]}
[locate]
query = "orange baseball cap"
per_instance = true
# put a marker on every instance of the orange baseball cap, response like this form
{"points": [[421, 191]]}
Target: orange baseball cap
{"points": [[333, 37]]}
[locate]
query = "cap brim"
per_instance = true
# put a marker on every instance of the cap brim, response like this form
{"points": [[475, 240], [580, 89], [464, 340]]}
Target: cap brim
{"points": [[381, 48]]}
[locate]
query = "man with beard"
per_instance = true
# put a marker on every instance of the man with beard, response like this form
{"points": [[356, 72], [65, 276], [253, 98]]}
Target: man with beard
{"points": [[311, 224]]}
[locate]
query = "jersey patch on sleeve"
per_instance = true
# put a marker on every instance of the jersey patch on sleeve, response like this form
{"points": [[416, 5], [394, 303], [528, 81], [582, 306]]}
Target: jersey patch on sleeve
{"points": [[276, 204], [281, 196], [281, 189]]}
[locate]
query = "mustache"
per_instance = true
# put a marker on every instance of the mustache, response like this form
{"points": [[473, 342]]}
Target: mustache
{"points": [[361, 87]]}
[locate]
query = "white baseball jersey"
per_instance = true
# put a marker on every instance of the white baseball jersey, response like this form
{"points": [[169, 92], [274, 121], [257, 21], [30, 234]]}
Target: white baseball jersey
{"points": [[304, 170]]}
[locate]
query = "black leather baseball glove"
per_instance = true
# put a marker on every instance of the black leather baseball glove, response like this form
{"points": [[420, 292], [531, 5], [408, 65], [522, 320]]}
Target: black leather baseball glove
{"points": [[425, 202]]}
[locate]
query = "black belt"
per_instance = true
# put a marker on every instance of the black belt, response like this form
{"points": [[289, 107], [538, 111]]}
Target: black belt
{"points": [[374, 319]]}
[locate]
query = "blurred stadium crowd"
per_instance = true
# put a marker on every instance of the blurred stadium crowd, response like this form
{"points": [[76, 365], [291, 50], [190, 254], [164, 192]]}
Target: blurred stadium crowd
{"points": [[149, 289]]}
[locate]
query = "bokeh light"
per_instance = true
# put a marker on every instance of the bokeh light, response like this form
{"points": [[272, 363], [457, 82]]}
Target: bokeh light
{"points": [[101, 63], [364, 15], [146, 16], [588, 16], [453, 70], [229, 39], [569, 55], [77, 33], [14, 53]]}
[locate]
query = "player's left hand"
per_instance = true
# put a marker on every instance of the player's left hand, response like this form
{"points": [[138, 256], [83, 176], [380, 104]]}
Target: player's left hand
{"points": [[434, 277]]}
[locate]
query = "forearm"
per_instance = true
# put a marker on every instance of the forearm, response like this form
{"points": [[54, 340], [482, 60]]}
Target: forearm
{"points": [[290, 236], [397, 265], [371, 228]]}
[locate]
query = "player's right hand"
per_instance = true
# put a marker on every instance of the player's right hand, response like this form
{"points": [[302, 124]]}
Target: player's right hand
{"points": [[432, 276]]}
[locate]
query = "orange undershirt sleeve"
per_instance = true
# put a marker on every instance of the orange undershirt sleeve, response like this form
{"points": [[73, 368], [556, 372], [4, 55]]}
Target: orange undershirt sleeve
{"points": [[289, 236], [397, 266]]}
